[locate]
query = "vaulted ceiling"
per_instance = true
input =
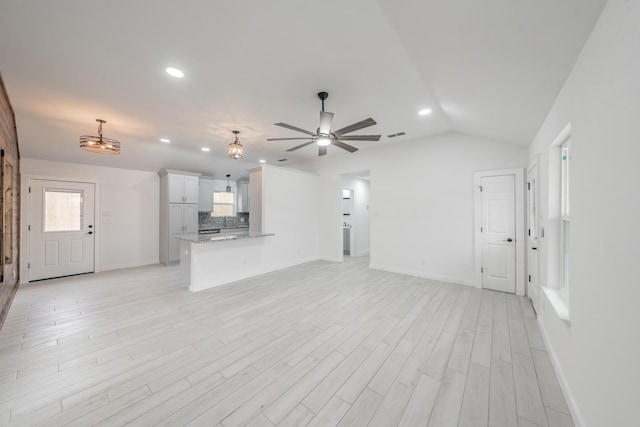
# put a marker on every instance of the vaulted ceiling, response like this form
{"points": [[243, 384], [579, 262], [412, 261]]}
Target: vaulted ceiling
{"points": [[490, 68]]}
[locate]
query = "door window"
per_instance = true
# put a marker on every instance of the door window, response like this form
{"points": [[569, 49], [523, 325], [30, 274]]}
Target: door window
{"points": [[62, 210]]}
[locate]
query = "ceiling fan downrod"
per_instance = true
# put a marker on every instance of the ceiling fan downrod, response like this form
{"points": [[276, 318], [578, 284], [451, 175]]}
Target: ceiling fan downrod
{"points": [[323, 96]]}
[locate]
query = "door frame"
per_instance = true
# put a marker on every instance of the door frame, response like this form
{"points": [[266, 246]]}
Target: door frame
{"points": [[530, 270], [353, 232], [25, 214], [518, 174]]}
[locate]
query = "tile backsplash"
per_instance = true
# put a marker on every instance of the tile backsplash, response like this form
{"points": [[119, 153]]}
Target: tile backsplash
{"points": [[205, 220]]}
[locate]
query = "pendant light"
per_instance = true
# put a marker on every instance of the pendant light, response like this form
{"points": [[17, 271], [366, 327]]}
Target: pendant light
{"points": [[235, 148], [228, 185], [98, 144]]}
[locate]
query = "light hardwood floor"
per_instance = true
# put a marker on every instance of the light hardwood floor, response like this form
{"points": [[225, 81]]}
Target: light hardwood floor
{"points": [[318, 344]]}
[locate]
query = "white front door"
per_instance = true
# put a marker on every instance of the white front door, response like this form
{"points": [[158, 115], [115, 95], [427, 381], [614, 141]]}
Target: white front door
{"points": [[61, 228], [498, 233], [532, 238]]}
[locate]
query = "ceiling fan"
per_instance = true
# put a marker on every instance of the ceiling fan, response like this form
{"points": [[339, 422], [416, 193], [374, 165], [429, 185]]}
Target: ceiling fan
{"points": [[325, 137]]}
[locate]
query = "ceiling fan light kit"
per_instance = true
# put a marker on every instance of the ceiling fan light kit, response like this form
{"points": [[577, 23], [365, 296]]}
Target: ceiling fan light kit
{"points": [[323, 137], [99, 144]]}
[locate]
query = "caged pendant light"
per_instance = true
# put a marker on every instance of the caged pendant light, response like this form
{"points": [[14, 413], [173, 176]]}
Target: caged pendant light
{"points": [[99, 144], [235, 148]]}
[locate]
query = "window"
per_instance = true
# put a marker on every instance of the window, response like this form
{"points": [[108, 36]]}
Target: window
{"points": [[62, 210], [223, 204], [565, 162]]}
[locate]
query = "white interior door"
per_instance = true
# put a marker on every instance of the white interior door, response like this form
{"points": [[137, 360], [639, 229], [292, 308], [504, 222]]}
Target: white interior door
{"points": [[533, 286], [498, 233], [61, 228]]}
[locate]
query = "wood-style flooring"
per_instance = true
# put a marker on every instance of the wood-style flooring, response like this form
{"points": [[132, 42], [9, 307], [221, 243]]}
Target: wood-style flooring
{"points": [[319, 344]]}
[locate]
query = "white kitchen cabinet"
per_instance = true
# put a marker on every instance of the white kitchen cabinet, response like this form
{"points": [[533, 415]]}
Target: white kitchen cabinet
{"points": [[182, 188], [205, 195], [183, 219], [243, 196], [178, 211]]}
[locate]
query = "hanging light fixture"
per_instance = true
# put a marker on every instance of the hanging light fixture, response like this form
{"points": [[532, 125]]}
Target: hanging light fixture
{"points": [[235, 148], [228, 185], [98, 144]]}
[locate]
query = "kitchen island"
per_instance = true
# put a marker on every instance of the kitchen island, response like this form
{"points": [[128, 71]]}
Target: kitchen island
{"points": [[210, 260]]}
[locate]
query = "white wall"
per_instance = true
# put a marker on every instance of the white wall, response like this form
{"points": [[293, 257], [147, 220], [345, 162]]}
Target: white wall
{"points": [[290, 211], [130, 197], [421, 201], [359, 218], [597, 355]]}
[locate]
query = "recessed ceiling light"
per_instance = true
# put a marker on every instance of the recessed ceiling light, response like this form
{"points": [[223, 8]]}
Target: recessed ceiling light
{"points": [[165, 140], [424, 111], [174, 72], [206, 149], [262, 161]]}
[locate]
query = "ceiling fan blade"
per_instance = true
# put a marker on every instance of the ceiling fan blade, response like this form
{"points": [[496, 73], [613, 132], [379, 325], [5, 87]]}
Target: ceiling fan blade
{"points": [[325, 122], [322, 150], [284, 125], [360, 138], [344, 146], [356, 126], [300, 146], [288, 139]]}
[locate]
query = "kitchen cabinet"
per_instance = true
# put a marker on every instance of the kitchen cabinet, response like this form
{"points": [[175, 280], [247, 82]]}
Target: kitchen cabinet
{"points": [[182, 188], [243, 196], [205, 195], [183, 219], [346, 241], [178, 211]]}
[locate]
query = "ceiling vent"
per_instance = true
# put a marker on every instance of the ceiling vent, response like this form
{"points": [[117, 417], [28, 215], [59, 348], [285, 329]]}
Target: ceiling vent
{"points": [[393, 135]]}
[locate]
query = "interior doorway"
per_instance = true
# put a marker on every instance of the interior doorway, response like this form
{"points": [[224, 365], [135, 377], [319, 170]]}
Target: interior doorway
{"points": [[354, 214], [61, 232], [347, 208]]}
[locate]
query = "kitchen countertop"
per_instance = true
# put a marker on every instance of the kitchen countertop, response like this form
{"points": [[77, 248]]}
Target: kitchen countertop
{"points": [[209, 238]]}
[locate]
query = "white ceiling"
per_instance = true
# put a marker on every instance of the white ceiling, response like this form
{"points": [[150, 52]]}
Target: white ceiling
{"points": [[490, 68]]}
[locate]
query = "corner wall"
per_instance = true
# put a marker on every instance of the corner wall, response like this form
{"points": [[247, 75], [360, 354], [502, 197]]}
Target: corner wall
{"points": [[596, 357], [128, 219], [290, 211]]}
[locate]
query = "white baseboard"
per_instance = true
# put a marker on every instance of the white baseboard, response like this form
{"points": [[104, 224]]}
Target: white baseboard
{"points": [[439, 278], [562, 379], [130, 265], [331, 259]]}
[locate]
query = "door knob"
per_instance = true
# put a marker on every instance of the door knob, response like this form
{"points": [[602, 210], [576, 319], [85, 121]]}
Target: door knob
{"points": [[91, 232], [508, 240]]}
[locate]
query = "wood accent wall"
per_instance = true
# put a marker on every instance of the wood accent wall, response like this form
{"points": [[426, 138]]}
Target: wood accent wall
{"points": [[11, 212]]}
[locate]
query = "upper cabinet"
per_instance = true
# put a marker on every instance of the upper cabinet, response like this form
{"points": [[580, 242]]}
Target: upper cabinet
{"points": [[205, 195], [243, 196], [182, 188]]}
